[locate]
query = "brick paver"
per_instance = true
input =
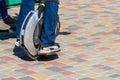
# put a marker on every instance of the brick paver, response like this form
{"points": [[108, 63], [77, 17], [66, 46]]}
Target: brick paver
{"points": [[89, 39]]}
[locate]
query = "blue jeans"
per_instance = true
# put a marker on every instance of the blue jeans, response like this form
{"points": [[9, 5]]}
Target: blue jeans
{"points": [[3, 10], [49, 16]]}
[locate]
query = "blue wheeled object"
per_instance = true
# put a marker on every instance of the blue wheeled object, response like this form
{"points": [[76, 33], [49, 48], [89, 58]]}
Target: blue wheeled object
{"points": [[31, 31]]}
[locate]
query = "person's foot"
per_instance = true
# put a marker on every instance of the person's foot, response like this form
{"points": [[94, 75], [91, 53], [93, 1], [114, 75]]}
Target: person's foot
{"points": [[4, 26], [17, 43], [50, 49], [11, 22]]}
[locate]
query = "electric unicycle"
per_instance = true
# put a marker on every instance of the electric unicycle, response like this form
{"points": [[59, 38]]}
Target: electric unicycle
{"points": [[31, 31]]}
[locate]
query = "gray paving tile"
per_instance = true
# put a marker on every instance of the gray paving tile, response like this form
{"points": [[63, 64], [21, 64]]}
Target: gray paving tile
{"points": [[26, 78], [86, 79], [55, 69]]}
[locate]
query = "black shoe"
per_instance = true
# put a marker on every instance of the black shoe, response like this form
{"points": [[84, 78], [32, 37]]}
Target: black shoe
{"points": [[11, 22]]}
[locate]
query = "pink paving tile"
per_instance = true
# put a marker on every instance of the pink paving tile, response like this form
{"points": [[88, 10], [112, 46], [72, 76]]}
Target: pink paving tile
{"points": [[75, 45], [97, 42], [105, 16], [103, 33], [112, 1], [79, 27], [79, 21], [68, 4], [88, 5], [66, 72], [103, 48], [60, 53], [26, 65], [74, 15], [57, 64], [113, 8], [9, 78], [6, 58], [98, 65], [29, 72], [118, 63], [96, 38], [81, 55], [117, 29], [117, 40], [84, 15]]}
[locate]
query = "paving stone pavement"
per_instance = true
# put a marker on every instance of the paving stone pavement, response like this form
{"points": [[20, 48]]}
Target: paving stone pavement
{"points": [[89, 39]]}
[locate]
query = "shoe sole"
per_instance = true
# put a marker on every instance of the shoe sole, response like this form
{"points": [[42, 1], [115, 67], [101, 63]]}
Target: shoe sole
{"points": [[50, 53]]}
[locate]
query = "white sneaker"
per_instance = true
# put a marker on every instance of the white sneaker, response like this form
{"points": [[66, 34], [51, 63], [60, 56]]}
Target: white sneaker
{"points": [[17, 43], [50, 49]]}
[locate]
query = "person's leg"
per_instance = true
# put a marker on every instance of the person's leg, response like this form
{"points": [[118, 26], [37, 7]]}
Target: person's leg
{"points": [[48, 33], [3, 14], [50, 15], [6, 20], [0, 15], [3, 10], [26, 6], [0, 9]]}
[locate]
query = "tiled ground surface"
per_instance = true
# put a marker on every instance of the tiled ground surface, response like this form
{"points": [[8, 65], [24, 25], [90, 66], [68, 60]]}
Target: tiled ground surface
{"points": [[90, 43]]}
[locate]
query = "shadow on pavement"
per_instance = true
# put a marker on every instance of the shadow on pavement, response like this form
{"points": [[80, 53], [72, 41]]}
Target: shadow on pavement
{"points": [[64, 33], [19, 52], [6, 35], [48, 57]]}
